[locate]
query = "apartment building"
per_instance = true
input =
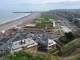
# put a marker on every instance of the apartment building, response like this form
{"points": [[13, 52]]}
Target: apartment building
{"points": [[25, 44], [45, 43]]}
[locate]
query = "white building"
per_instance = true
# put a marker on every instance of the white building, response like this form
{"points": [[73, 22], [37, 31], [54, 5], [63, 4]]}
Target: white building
{"points": [[54, 23], [47, 43], [16, 27], [25, 44], [65, 29]]}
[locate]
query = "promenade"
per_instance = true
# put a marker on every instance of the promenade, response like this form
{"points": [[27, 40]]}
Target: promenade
{"points": [[20, 21]]}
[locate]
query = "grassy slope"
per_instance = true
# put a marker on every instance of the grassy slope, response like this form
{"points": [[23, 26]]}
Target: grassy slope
{"points": [[71, 44], [21, 55], [74, 56]]}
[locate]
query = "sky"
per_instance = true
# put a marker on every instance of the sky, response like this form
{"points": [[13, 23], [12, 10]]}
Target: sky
{"points": [[38, 5]]}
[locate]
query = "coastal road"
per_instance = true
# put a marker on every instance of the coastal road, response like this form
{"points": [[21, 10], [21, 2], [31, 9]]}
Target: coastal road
{"points": [[8, 25], [74, 29]]}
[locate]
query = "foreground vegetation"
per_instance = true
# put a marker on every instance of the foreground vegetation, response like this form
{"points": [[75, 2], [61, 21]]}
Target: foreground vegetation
{"points": [[22, 55]]}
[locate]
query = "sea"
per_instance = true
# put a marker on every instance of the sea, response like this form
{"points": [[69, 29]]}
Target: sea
{"points": [[9, 16]]}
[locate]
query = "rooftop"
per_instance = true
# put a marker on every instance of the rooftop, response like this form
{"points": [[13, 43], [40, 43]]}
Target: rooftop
{"points": [[45, 41], [66, 29], [25, 42], [33, 27], [18, 45]]}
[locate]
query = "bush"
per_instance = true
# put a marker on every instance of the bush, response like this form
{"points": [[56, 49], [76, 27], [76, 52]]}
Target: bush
{"points": [[64, 40], [69, 36]]}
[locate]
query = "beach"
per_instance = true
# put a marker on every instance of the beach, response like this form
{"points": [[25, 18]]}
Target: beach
{"points": [[20, 22]]}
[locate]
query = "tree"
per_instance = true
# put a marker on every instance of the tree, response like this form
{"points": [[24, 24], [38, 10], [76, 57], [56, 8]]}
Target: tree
{"points": [[69, 36]]}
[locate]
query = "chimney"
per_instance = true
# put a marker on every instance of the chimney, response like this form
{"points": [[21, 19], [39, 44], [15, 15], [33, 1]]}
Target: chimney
{"points": [[24, 41], [21, 42]]}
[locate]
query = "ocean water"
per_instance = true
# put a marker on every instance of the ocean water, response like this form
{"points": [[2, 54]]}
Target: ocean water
{"points": [[9, 16]]}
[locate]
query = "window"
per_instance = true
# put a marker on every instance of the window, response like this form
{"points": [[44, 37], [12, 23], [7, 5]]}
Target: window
{"points": [[51, 43]]}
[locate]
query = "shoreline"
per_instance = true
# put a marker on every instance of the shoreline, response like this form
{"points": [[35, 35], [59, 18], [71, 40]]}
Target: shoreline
{"points": [[19, 21], [13, 20]]}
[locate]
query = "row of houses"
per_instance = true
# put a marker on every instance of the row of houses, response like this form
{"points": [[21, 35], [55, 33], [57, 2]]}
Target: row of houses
{"points": [[31, 45]]}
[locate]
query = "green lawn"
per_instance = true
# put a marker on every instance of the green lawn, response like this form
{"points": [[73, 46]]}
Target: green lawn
{"points": [[41, 24], [48, 16]]}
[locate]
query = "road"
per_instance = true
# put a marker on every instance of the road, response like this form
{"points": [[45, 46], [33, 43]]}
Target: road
{"points": [[33, 16], [74, 28]]}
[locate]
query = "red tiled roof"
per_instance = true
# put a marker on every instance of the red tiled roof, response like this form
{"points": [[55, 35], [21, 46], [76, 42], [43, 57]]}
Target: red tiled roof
{"points": [[2, 34], [33, 27]]}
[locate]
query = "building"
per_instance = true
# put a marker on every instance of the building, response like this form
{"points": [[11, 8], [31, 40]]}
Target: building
{"points": [[65, 29], [25, 44], [76, 21], [16, 27], [54, 23], [33, 27], [45, 43]]}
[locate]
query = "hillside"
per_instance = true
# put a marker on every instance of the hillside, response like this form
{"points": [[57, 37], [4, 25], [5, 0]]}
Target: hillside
{"points": [[22, 55], [71, 47]]}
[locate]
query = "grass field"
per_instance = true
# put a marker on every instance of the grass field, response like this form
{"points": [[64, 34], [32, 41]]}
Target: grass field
{"points": [[48, 16]]}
